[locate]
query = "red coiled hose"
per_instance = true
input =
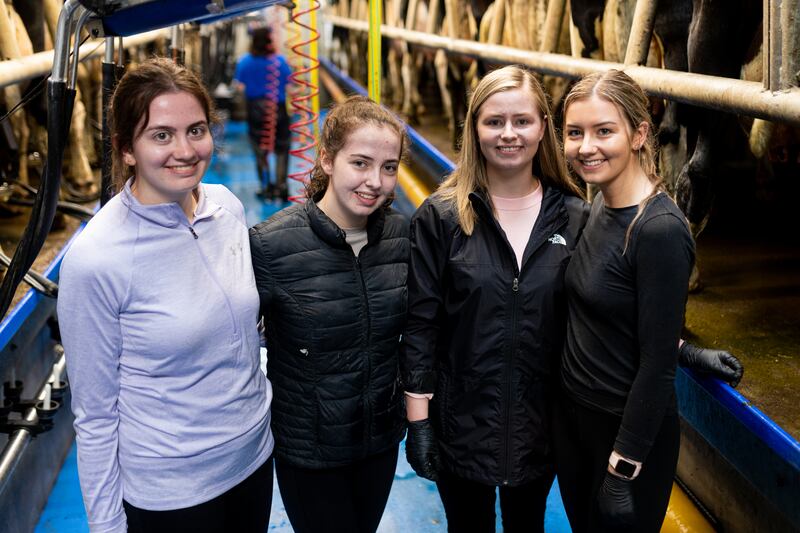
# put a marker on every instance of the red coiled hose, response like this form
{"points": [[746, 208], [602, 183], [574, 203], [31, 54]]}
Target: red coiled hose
{"points": [[300, 95]]}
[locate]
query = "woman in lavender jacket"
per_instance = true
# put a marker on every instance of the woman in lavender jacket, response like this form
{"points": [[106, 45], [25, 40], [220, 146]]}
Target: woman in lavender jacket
{"points": [[158, 311]]}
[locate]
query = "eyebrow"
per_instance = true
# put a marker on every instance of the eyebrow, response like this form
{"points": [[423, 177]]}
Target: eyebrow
{"points": [[605, 123], [170, 128]]}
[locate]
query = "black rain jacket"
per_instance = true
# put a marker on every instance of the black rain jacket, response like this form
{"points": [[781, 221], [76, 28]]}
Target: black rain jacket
{"points": [[333, 325], [485, 337]]}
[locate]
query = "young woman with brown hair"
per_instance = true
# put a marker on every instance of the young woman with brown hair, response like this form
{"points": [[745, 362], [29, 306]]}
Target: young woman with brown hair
{"points": [[158, 314], [331, 274], [617, 432]]}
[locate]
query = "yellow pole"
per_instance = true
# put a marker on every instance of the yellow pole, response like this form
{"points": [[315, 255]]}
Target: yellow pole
{"points": [[375, 20], [314, 53]]}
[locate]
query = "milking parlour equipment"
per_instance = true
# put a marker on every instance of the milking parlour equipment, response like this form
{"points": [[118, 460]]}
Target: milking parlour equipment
{"points": [[303, 91], [35, 432]]}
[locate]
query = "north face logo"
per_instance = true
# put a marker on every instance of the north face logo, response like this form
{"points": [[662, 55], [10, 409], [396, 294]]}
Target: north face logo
{"points": [[557, 239]]}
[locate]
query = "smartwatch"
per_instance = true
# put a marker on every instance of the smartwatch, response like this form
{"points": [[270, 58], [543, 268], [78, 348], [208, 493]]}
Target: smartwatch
{"points": [[626, 468]]}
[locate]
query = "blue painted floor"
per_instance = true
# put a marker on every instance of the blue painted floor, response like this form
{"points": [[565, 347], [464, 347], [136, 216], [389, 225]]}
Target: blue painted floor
{"points": [[413, 506]]}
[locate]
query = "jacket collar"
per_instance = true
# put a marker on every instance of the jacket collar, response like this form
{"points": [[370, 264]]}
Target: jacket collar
{"points": [[170, 214], [552, 215], [332, 234], [552, 202]]}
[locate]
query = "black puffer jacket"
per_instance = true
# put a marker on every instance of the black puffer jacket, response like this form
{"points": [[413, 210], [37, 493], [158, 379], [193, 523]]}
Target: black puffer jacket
{"points": [[485, 337], [333, 328]]}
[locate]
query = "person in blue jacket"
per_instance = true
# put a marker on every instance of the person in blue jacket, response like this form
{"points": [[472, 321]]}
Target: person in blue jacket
{"points": [[158, 312], [264, 74]]}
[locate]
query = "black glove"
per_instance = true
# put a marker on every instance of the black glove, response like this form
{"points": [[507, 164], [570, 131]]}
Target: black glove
{"points": [[422, 449], [615, 502], [718, 363]]}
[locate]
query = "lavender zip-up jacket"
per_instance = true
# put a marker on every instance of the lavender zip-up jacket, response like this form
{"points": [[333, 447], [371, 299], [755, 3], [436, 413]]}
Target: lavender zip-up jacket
{"points": [[158, 320]]}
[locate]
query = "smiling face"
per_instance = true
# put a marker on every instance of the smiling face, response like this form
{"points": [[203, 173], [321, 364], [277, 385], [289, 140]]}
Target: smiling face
{"points": [[362, 175], [599, 143], [172, 151], [509, 127]]}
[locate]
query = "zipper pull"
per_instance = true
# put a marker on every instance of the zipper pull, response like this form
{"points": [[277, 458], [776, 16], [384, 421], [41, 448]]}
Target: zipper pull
{"points": [[515, 285], [193, 233]]}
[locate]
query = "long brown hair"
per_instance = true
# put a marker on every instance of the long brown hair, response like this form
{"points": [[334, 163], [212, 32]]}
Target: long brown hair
{"points": [[342, 120], [627, 96], [470, 172], [129, 112]]}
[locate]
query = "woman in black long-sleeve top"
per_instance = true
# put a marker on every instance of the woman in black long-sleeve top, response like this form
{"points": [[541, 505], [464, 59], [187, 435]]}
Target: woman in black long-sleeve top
{"points": [[616, 426]]}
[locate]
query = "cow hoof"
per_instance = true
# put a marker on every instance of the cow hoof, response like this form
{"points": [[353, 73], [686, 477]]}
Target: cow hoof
{"points": [[695, 283]]}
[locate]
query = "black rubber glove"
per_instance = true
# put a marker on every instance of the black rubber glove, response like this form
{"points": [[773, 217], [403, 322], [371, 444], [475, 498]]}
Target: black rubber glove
{"points": [[615, 502], [718, 363], [422, 450]]}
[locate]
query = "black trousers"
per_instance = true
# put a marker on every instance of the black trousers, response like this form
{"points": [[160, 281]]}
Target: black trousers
{"points": [[257, 124], [344, 499], [469, 506], [584, 439], [244, 508]]}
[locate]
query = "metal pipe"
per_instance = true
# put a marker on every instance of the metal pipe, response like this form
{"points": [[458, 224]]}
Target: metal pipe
{"points": [[552, 25], [61, 42], [641, 32], [108, 53], [772, 45], [73, 79], [790, 44], [724, 94], [18, 441], [40, 64]]}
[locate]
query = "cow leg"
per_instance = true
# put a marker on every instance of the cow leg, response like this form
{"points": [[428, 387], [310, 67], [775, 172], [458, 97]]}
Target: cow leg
{"points": [[409, 83], [672, 27], [442, 66]]}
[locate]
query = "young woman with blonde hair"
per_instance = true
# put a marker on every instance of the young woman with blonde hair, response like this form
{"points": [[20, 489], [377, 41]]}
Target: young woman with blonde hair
{"points": [[486, 311]]}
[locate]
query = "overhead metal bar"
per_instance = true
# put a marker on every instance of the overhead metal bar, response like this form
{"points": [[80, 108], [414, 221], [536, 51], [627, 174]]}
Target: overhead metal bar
{"points": [[40, 64], [724, 94]]}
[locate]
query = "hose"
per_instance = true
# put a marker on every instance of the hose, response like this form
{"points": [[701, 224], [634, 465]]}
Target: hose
{"points": [[303, 93]]}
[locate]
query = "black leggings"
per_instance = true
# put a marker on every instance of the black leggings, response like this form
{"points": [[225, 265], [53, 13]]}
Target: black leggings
{"points": [[244, 508], [584, 439], [469, 506], [346, 499]]}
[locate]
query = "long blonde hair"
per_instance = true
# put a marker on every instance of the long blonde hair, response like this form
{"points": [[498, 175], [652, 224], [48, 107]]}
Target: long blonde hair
{"points": [[470, 172], [627, 96]]}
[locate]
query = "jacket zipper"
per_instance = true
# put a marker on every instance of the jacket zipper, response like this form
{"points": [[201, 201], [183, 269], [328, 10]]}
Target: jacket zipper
{"points": [[367, 405], [509, 370], [513, 345], [217, 283]]}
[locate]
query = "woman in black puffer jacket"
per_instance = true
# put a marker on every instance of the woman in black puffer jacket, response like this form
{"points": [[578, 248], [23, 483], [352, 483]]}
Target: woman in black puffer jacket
{"points": [[331, 275]]}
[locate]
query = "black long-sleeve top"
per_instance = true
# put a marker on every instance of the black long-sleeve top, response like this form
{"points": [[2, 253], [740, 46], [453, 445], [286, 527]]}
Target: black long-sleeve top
{"points": [[625, 312]]}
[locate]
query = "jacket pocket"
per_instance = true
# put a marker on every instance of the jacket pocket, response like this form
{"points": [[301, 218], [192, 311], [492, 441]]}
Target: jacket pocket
{"points": [[534, 418]]}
